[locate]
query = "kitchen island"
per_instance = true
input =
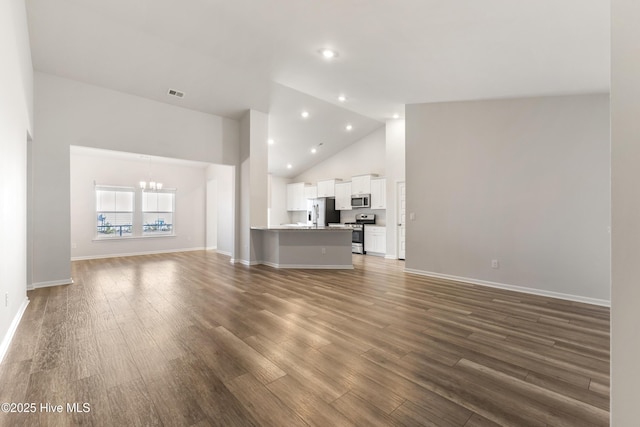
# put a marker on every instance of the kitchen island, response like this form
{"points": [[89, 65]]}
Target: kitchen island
{"points": [[303, 247]]}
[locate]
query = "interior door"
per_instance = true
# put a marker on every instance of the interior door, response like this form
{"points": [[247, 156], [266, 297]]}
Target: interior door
{"points": [[402, 217]]}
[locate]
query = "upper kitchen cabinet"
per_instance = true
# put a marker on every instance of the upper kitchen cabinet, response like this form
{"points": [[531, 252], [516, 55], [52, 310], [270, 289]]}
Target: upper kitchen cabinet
{"points": [[311, 192], [379, 193], [295, 197], [361, 184], [327, 187], [343, 196]]}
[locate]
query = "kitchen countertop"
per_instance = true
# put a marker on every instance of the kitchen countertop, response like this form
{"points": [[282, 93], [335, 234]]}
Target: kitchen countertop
{"points": [[301, 228]]}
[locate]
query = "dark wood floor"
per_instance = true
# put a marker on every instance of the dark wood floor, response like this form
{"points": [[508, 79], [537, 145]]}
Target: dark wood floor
{"points": [[189, 339]]}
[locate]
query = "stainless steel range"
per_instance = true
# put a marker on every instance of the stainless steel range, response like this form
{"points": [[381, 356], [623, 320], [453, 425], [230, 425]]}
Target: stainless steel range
{"points": [[357, 235]]}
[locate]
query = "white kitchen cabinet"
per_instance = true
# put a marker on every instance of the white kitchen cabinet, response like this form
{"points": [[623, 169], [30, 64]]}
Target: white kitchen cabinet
{"points": [[375, 239], [343, 196], [379, 193], [361, 184], [327, 187], [295, 197], [310, 192]]}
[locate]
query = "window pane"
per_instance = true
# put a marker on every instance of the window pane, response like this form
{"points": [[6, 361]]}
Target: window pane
{"points": [[114, 212], [114, 224], [157, 223], [124, 201], [149, 201], [106, 200], [165, 202]]}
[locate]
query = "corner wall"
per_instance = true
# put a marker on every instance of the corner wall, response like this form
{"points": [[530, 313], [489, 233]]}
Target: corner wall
{"points": [[523, 181], [16, 124]]}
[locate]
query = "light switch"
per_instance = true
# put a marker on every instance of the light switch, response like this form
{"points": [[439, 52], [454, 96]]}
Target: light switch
{"points": [[412, 216]]}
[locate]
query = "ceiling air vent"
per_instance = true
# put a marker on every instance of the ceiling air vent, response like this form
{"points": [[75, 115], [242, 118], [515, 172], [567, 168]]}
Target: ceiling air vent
{"points": [[176, 93]]}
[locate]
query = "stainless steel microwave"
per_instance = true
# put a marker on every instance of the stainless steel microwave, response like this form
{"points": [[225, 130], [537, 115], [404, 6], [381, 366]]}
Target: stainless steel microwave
{"points": [[361, 200]]}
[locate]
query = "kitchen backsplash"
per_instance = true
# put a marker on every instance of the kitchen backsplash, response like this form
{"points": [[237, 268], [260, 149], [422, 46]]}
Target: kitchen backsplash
{"points": [[350, 216]]}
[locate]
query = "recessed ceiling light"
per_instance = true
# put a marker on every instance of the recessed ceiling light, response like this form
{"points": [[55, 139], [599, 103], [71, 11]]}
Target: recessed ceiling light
{"points": [[396, 116], [342, 98], [348, 127], [304, 114], [328, 53], [289, 166], [270, 141], [314, 151]]}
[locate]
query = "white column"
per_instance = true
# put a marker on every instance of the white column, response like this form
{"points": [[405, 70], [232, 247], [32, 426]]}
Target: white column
{"points": [[254, 129]]}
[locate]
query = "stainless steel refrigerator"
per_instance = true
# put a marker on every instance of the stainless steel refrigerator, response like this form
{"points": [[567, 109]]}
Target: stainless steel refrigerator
{"points": [[322, 211]]}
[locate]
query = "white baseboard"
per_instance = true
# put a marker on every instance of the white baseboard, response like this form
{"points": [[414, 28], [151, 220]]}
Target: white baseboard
{"points": [[165, 251], [50, 283], [390, 257], [523, 289], [244, 262], [211, 248], [223, 252], [6, 341], [378, 254], [310, 266]]}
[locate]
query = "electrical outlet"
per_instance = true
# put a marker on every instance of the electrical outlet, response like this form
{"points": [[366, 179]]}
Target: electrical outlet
{"points": [[324, 251], [74, 246], [6, 299], [495, 263]]}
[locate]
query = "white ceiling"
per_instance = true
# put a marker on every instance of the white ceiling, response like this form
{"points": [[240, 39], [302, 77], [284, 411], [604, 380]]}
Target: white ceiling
{"points": [[232, 55]]}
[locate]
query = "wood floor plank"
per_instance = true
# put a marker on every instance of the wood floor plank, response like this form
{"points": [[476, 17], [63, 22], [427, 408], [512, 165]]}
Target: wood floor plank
{"points": [[306, 404], [410, 413], [263, 405], [361, 413], [326, 387], [261, 367], [131, 405], [117, 366], [191, 339], [212, 396]]}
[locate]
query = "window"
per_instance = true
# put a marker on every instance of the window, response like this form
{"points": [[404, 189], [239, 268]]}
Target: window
{"points": [[114, 208], [119, 213], [157, 212]]}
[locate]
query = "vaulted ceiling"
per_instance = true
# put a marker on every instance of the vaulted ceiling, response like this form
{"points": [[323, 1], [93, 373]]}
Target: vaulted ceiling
{"points": [[232, 55]]}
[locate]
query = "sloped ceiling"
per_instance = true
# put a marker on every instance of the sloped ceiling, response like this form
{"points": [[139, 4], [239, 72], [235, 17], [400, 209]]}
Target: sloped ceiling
{"points": [[230, 56]]}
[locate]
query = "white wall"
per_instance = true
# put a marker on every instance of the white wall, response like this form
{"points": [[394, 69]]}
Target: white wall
{"points": [[189, 218], [16, 118], [224, 178], [73, 113], [524, 181], [364, 156], [625, 291], [211, 212], [395, 172]]}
